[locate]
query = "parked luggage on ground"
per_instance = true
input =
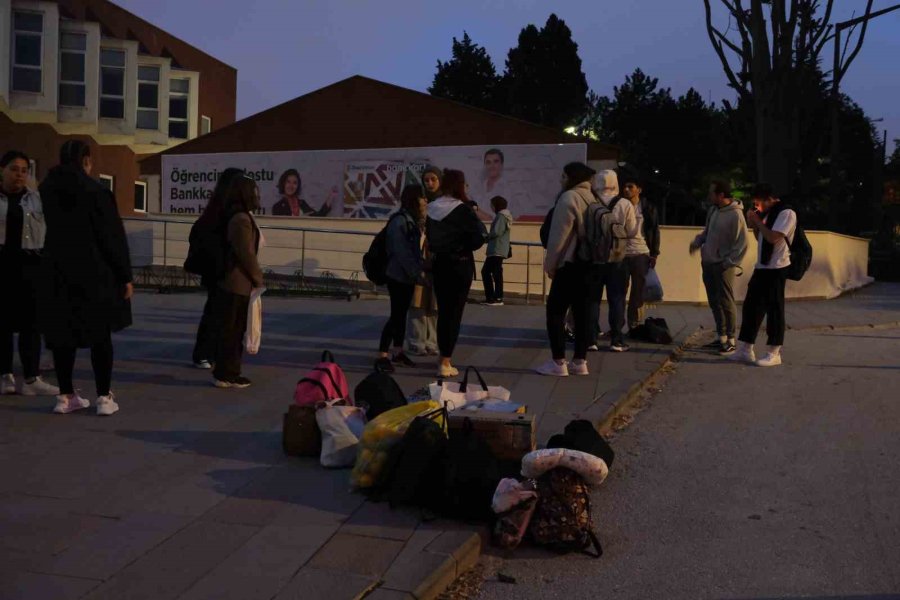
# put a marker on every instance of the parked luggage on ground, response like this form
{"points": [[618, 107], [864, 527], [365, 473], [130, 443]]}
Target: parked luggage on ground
{"points": [[326, 381], [378, 392], [581, 435], [562, 519], [653, 330], [510, 436], [471, 474], [414, 475], [512, 525], [341, 426], [300, 434]]}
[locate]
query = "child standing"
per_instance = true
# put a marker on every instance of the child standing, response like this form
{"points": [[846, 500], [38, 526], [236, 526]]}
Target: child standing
{"points": [[498, 249]]}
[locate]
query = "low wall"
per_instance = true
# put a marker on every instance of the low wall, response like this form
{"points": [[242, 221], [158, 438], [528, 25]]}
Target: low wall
{"points": [[839, 262]]}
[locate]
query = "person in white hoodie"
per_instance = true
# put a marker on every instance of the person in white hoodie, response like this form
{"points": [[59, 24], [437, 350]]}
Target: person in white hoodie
{"points": [[570, 274], [611, 276], [498, 250], [722, 245]]}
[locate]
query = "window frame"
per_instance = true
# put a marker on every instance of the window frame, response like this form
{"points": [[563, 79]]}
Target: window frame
{"points": [[102, 97], [13, 64], [138, 103], [60, 81], [205, 124], [108, 178], [187, 98], [141, 184]]}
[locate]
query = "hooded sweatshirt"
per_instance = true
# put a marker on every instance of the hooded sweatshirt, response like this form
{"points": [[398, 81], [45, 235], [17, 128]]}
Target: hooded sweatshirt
{"points": [[498, 238], [567, 226], [453, 230], [724, 239], [607, 178]]}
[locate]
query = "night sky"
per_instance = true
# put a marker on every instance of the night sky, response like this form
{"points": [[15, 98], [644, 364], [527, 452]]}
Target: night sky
{"points": [[285, 48]]}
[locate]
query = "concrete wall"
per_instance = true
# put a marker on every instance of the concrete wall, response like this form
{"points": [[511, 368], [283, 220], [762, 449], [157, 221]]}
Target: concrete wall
{"points": [[839, 262]]}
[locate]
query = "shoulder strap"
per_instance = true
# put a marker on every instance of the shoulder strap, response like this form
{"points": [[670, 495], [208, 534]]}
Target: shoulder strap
{"points": [[330, 376], [318, 384]]}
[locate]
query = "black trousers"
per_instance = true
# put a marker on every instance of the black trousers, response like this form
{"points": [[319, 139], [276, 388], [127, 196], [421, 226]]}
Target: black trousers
{"points": [[570, 288], [765, 299], [231, 320], [29, 352], [613, 277], [207, 332], [492, 277], [101, 362], [395, 328], [452, 282]]}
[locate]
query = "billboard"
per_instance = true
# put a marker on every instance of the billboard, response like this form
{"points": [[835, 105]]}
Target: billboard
{"points": [[366, 184]]}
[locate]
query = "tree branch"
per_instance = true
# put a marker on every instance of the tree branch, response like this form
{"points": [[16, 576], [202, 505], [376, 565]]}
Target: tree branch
{"points": [[726, 41], [713, 33], [859, 42]]}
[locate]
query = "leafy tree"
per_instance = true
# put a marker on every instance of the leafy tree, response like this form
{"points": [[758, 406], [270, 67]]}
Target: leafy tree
{"points": [[543, 82], [468, 77]]}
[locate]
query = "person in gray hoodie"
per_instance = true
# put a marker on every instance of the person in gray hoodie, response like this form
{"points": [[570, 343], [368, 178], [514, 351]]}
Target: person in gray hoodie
{"points": [[722, 246], [498, 250]]}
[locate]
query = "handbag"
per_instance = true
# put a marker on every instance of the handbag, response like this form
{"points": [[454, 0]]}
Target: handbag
{"points": [[253, 334], [341, 426], [456, 395]]}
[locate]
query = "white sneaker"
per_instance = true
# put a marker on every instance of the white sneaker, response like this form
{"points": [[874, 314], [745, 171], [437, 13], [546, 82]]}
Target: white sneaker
{"points": [[772, 357], [70, 403], [445, 372], [744, 353], [203, 364], [39, 387], [578, 367], [106, 405], [554, 369], [8, 384]]}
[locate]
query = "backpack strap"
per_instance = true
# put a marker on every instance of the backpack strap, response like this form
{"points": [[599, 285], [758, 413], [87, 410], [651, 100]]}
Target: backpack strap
{"points": [[598, 547], [327, 356], [318, 384], [327, 372]]}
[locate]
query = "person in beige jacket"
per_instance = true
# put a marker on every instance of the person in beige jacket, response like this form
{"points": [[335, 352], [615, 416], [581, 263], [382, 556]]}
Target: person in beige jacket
{"points": [[242, 276], [571, 276]]}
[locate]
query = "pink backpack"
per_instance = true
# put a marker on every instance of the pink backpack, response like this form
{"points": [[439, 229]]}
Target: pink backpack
{"points": [[326, 381]]}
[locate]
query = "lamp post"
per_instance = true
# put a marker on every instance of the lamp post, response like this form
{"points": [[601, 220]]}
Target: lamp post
{"points": [[836, 175]]}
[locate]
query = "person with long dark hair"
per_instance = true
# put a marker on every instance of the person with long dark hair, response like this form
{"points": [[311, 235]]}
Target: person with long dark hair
{"points": [[209, 229], [404, 269], [89, 275], [22, 232], [454, 233], [571, 274], [242, 276], [291, 204], [421, 327]]}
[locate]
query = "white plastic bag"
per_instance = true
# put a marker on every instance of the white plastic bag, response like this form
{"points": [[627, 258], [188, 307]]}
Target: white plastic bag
{"points": [[341, 426], [253, 334], [456, 395], [509, 494], [653, 290]]}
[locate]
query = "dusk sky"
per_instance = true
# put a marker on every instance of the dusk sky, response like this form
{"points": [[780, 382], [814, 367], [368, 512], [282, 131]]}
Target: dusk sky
{"points": [[284, 48]]}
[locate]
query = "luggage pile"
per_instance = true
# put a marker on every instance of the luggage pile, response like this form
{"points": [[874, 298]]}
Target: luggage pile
{"points": [[453, 450]]}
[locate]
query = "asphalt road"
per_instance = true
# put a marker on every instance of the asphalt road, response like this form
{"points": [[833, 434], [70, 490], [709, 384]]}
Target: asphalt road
{"points": [[740, 482]]}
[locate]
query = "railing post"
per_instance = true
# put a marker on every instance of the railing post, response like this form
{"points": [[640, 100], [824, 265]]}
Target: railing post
{"points": [[165, 243], [527, 272], [303, 252]]}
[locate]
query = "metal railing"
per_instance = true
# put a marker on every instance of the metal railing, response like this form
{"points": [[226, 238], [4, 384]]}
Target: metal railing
{"points": [[303, 258]]}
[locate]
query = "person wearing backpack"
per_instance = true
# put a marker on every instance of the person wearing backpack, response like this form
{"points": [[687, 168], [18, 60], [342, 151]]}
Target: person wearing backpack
{"points": [[498, 250], [404, 269], [611, 275], [421, 327], [241, 277], [571, 274], [775, 225], [722, 245], [207, 240], [454, 232]]}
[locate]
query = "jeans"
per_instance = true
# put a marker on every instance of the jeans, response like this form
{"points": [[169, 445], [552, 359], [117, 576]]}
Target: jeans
{"points": [[207, 332], [101, 362], [765, 299], [492, 277], [231, 320], [719, 285], [421, 329], [612, 276], [637, 267], [395, 328], [29, 352], [452, 282], [569, 289]]}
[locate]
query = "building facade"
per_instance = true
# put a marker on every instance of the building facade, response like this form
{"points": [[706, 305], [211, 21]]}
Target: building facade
{"points": [[91, 70]]}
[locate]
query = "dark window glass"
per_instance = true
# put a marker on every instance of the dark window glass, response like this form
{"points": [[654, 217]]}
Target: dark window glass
{"points": [[112, 82], [178, 129], [28, 50], [71, 94], [112, 108], [140, 201], [73, 41], [180, 86], [178, 108], [148, 73], [148, 95], [112, 58], [28, 21], [71, 67], [26, 80], [147, 119]]}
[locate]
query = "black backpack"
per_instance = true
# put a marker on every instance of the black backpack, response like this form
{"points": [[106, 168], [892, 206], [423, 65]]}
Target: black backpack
{"points": [[653, 330], [471, 474], [415, 474], [207, 251], [583, 436], [801, 255], [378, 393], [545, 227], [375, 261]]}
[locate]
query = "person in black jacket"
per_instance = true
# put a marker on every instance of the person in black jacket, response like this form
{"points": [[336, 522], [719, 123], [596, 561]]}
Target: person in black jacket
{"points": [[89, 275], [454, 232], [212, 221]]}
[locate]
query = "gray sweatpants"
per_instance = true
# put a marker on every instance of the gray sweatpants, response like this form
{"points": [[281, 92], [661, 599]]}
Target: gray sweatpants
{"points": [[421, 332], [719, 285]]}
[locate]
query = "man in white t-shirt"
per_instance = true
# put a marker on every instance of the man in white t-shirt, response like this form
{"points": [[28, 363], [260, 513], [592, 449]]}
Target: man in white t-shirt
{"points": [[774, 224]]}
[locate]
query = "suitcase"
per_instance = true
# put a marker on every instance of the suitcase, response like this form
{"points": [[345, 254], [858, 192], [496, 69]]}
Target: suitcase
{"points": [[300, 435], [509, 435]]}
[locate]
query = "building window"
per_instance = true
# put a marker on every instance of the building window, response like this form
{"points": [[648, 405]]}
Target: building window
{"points": [[148, 98], [72, 47], [140, 196], [107, 181], [179, 91], [205, 125], [28, 29], [112, 83]]}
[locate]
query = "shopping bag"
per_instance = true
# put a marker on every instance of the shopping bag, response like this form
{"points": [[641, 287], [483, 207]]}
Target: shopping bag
{"points": [[653, 290], [341, 426], [253, 334], [456, 395]]}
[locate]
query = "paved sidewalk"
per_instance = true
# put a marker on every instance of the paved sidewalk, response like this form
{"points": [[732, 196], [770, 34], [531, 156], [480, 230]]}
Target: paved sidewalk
{"points": [[186, 494]]}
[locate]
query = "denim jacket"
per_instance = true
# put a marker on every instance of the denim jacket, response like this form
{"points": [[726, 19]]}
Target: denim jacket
{"points": [[34, 228], [403, 248]]}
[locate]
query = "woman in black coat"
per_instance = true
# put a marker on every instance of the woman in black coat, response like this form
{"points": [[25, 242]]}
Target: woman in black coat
{"points": [[89, 275]]}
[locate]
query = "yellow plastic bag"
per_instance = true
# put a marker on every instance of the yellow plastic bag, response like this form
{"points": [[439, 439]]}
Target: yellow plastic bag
{"points": [[380, 435]]}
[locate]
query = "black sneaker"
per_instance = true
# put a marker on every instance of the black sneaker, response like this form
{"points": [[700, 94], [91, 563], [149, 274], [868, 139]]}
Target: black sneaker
{"points": [[384, 365], [619, 347], [237, 382], [402, 359], [726, 349], [713, 345]]}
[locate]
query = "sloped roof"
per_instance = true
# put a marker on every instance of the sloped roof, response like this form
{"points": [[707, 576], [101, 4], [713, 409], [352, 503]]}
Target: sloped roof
{"points": [[359, 112]]}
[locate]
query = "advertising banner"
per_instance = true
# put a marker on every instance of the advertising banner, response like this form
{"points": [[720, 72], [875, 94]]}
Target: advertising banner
{"points": [[366, 184]]}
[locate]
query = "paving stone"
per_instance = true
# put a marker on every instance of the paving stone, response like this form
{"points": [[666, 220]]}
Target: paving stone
{"points": [[378, 519], [39, 586], [386, 594], [422, 574], [313, 583], [464, 546], [357, 554]]}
